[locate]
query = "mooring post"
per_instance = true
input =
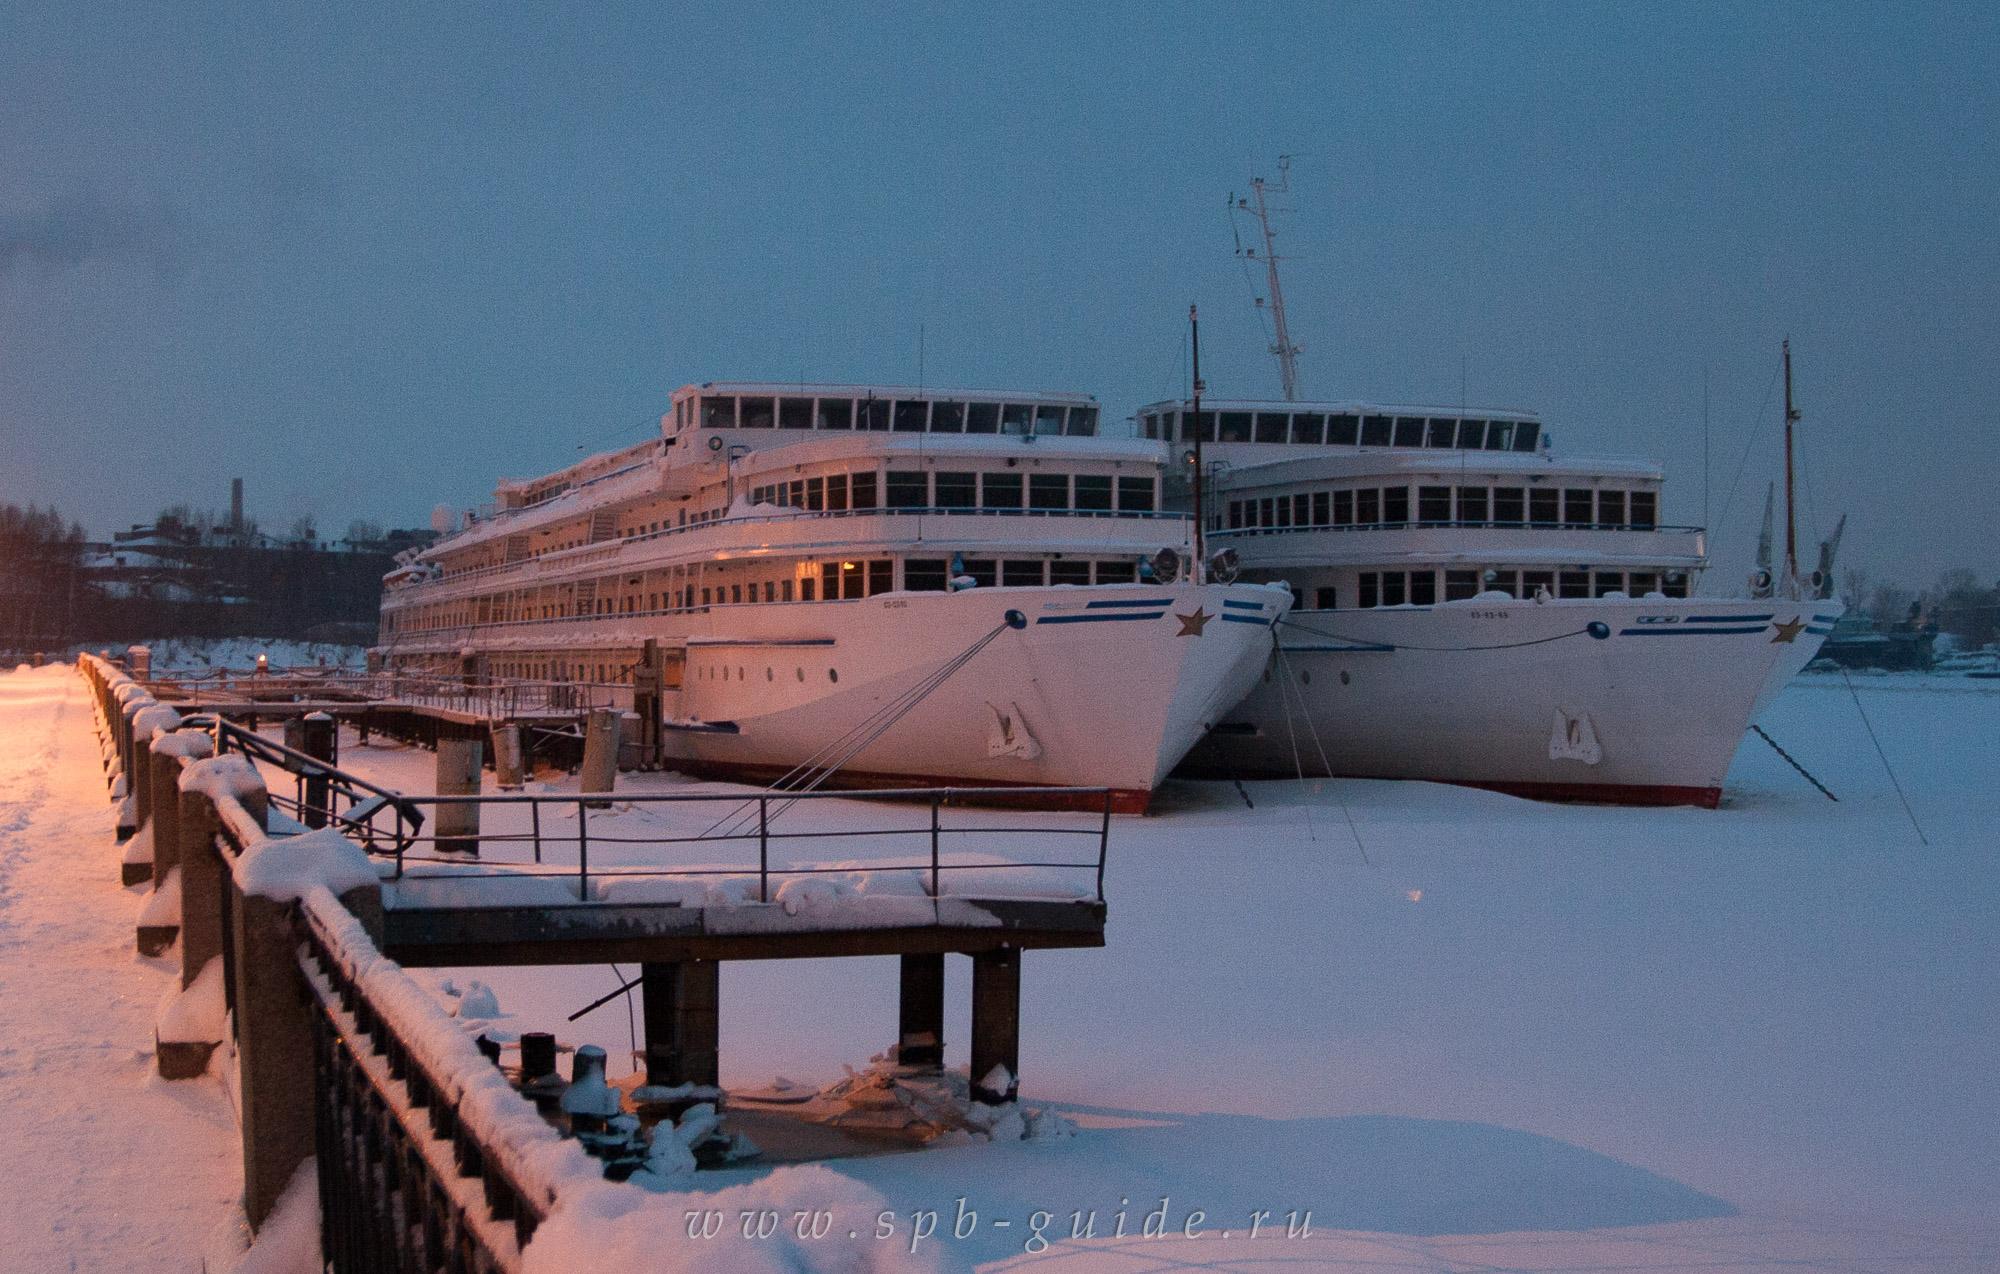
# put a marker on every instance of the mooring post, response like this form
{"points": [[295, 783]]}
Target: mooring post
{"points": [[996, 1026], [600, 752], [320, 735], [457, 825], [681, 1003], [201, 885], [920, 1031]]}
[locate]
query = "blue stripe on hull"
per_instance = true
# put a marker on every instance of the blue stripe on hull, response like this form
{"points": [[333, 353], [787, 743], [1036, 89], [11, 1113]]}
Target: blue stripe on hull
{"points": [[1259, 620], [1155, 602], [1679, 630], [1099, 619]]}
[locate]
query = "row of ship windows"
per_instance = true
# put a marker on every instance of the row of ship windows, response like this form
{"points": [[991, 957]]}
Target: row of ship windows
{"points": [[949, 490], [1344, 430], [1420, 588], [899, 415], [1448, 506], [824, 581]]}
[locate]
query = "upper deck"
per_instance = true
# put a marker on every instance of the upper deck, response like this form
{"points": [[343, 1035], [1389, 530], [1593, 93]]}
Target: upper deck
{"points": [[1318, 425]]}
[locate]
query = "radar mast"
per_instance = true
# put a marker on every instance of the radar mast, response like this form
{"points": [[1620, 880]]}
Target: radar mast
{"points": [[1288, 353]]}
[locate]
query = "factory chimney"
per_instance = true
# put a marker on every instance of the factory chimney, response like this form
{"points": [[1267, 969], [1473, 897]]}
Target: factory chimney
{"points": [[236, 506]]}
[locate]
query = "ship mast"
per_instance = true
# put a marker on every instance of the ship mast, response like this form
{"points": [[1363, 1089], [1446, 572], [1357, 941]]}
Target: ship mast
{"points": [[1288, 353], [1197, 568], [1791, 577]]}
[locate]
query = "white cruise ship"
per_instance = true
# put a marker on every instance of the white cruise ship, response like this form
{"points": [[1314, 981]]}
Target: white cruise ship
{"points": [[1474, 609], [913, 586]]}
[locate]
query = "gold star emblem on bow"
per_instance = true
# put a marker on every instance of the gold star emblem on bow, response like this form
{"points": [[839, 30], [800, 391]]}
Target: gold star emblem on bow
{"points": [[1788, 631], [1191, 625]]}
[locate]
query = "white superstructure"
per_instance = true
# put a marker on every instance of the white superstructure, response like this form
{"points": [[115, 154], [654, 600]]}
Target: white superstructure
{"points": [[1474, 609], [803, 557]]}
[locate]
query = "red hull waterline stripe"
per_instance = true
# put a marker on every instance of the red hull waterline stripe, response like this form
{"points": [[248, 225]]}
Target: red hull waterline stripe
{"points": [[1707, 798], [1124, 800]]}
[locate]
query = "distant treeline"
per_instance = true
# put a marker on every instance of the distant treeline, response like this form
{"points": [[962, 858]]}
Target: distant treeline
{"points": [[185, 577], [1957, 602]]}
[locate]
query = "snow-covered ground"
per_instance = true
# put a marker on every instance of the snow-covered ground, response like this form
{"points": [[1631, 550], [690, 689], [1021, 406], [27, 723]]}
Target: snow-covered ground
{"points": [[1468, 1032], [103, 1165]]}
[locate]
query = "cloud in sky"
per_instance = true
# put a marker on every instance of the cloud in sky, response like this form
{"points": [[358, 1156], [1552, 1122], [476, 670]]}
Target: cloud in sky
{"points": [[81, 225]]}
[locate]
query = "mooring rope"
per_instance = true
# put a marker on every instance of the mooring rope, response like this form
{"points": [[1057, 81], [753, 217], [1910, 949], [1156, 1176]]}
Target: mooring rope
{"points": [[1886, 768], [1284, 671], [1794, 764], [809, 774]]}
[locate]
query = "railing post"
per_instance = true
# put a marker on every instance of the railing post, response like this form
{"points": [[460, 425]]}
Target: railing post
{"points": [[1103, 844], [935, 800], [763, 849], [582, 851]]}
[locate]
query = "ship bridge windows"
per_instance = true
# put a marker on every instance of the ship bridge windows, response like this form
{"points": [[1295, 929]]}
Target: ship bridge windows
{"points": [[836, 413], [871, 414], [908, 489], [1272, 426], [982, 418], [1233, 426], [756, 413], [1048, 419], [1048, 491], [911, 417], [1000, 490], [1016, 418], [795, 413], [1443, 432], [718, 413], [1499, 435], [1471, 435], [1410, 431], [947, 418]]}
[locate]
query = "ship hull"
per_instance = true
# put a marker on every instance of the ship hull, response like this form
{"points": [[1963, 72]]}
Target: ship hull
{"points": [[1521, 697], [1105, 686]]}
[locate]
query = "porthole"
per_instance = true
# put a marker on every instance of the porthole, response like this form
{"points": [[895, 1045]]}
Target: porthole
{"points": [[769, 676], [833, 674], [1306, 678], [1343, 678], [802, 674]]}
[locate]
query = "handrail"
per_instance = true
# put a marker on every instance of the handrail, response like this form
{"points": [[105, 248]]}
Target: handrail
{"points": [[1415, 525], [303, 767], [582, 550]]}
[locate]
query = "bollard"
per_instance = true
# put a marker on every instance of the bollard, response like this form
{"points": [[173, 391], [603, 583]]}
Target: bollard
{"points": [[141, 660], [508, 773], [600, 754], [457, 826]]}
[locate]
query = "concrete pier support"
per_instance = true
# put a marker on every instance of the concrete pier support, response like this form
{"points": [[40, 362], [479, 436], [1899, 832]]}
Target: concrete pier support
{"points": [[682, 1012], [457, 826], [996, 1024], [920, 1016], [509, 765], [600, 752]]}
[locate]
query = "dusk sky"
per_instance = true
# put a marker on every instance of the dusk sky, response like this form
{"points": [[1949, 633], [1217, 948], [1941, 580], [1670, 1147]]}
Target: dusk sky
{"points": [[370, 258]]}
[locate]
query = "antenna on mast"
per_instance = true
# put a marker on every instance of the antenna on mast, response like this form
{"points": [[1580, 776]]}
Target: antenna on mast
{"points": [[1288, 353]]}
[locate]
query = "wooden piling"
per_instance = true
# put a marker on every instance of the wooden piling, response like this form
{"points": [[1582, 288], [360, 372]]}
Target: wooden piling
{"points": [[996, 1023], [920, 1030], [681, 1003]]}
